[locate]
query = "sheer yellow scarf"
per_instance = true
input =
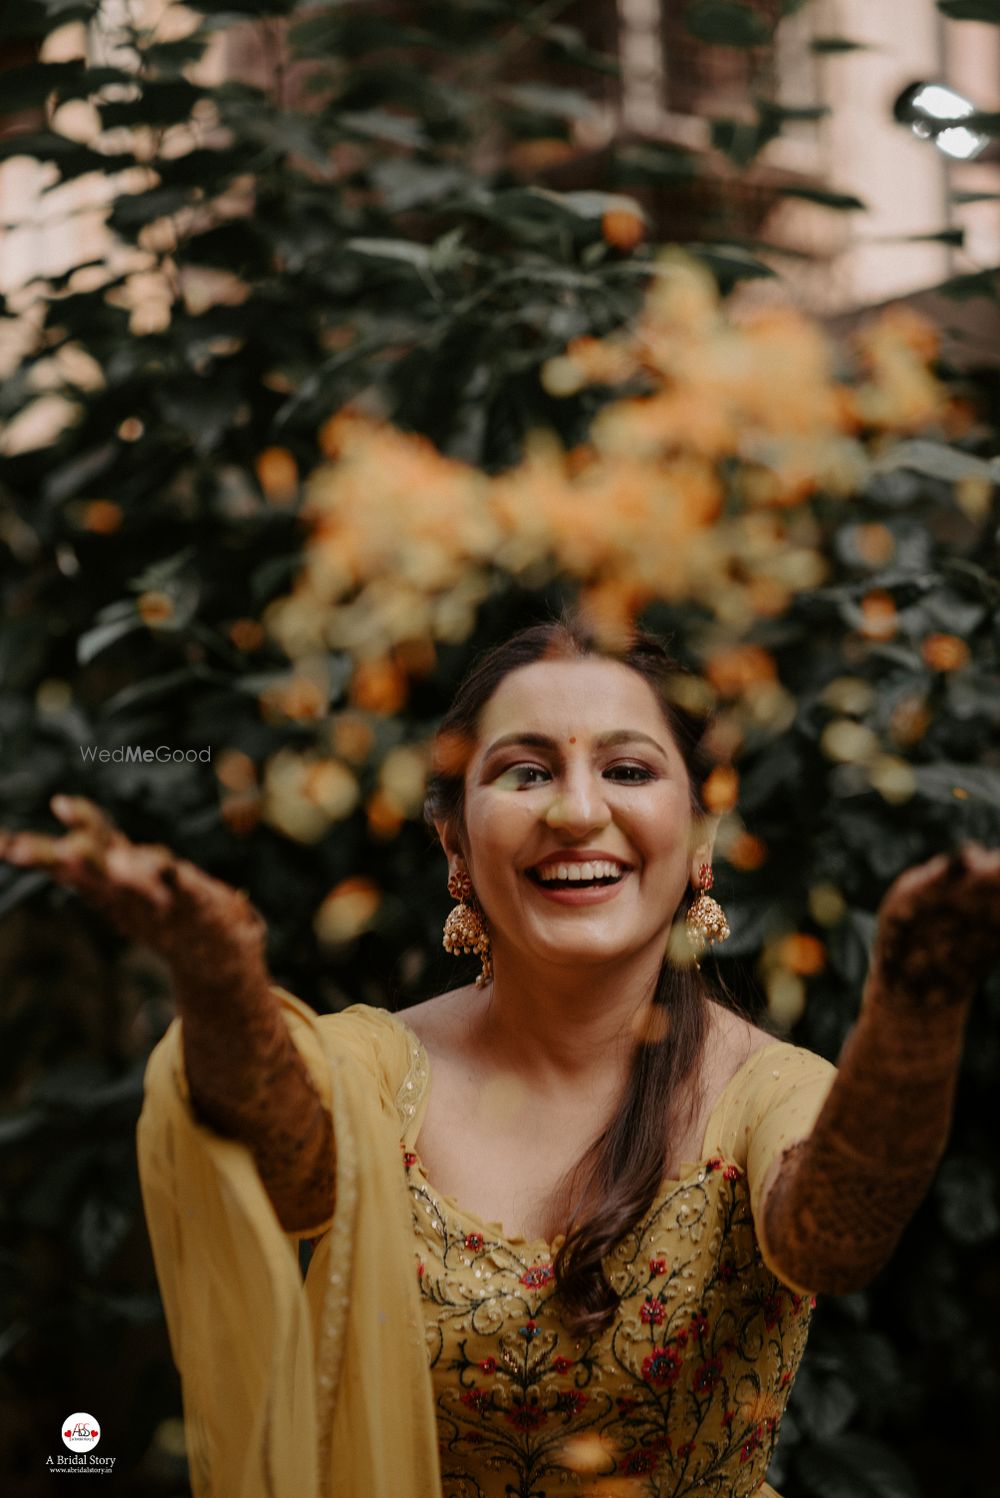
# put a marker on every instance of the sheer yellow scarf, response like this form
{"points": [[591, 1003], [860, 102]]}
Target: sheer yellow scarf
{"points": [[290, 1390]]}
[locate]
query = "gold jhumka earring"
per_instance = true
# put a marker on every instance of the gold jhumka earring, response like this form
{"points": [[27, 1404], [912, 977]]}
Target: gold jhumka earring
{"points": [[465, 930], [706, 920]]}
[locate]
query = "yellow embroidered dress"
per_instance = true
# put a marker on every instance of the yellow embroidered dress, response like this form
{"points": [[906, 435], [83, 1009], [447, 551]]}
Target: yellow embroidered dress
{"points": [[424, 1356]]}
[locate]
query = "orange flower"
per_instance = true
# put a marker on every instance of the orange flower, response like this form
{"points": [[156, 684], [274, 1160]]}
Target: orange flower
{"points": [[732, 670], [347, 910], [277, 474], [746, 851], [802, 954], [236, 770], [720, 791], [378, 686], [300, 698], [246, 634], [622, 229], [878, 610], [909, 721], [385, 817], [241, 813], [103, 517], [155, 608], [945, 652], [352, 737], [876, 543]]}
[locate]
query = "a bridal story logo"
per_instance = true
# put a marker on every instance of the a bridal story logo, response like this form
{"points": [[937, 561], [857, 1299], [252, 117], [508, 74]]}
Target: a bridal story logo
{"points": [[81, 1433]]}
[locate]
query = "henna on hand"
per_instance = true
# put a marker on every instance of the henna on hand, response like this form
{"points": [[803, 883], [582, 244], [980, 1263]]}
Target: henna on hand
{"points": [[937, 932], [247, 1078], [841, 1198]]}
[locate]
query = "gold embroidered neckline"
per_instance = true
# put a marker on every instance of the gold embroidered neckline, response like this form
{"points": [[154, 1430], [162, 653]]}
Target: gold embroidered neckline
{"points": [[413, 1092]]}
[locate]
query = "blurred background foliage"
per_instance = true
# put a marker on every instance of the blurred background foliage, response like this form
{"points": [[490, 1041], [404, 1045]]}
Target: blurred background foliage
{"points": [[376, 367]]}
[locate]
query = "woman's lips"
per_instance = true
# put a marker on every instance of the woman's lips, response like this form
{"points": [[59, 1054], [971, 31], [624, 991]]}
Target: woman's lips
{"points": [[593, 894]]}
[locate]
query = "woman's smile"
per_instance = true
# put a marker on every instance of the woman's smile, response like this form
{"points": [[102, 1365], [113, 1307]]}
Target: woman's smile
{"points": [[577, 801]]}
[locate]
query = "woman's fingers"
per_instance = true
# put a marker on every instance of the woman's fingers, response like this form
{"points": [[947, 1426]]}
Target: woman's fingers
{"points": [[80, 812]]}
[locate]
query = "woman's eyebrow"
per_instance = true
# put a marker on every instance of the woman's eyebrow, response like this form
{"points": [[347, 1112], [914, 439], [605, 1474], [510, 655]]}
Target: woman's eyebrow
{"points": [[543, 741]]}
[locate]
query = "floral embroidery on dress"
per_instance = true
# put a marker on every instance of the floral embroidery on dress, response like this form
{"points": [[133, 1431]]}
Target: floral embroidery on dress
{"points": [[683, 1393]]}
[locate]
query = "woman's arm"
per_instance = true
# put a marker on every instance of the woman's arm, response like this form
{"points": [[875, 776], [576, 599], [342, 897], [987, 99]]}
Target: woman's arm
{"points": [[246, 1076], [835, 1204]]}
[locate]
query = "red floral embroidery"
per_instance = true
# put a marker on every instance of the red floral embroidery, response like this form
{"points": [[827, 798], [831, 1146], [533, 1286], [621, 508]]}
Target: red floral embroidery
{"points": [[750, 1445], [651, 1311], [707, 1376], [731, 1173], [572, 1401], [476, 1399], [662, 1366], [772, 1311], [699, 1323], [641, 1463], [489, 1365], [474, 1241], [409, 1158], [714, 1163], [526, 1416], [538, 1274], [657, 1266], [562, 1365], [685, 1451]]}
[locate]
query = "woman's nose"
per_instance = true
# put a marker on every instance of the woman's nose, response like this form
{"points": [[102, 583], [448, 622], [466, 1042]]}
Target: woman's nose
{"points": [[579, 805]]}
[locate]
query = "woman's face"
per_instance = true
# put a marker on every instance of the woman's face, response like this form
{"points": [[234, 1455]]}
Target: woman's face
{"points": [[578, 814]]}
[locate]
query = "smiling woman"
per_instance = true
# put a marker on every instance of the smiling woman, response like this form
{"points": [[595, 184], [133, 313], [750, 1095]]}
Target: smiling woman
{"points": [[568, 1222]]}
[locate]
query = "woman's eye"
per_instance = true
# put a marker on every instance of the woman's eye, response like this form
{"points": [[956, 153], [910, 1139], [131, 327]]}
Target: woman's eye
{"points": [[522, 775], [630, 774]]}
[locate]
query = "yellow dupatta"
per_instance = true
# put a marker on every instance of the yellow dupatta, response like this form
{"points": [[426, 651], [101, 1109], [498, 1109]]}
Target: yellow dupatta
{"points": [[291, 1390]]}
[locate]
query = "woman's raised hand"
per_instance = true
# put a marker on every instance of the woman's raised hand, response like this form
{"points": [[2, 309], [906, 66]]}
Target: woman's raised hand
{"points": [[937, 929], [144, 890]]}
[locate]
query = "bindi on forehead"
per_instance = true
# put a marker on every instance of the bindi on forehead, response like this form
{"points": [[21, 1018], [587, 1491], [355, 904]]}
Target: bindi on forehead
{"points": [[572, 738]]}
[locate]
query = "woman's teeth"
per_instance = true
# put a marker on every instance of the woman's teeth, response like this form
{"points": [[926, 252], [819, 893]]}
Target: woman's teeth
{"points": [[578, 873]]}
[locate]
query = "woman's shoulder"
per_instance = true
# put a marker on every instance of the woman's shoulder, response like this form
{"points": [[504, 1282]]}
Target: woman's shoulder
{"points": [[751, 1062]]}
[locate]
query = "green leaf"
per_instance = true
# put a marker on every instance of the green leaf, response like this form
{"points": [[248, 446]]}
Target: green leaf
{"points": [[983, 283], [405, 250], [843, 202], [727, 23], [971, 10], [829, 45], [939, 782], [378, 124], [93, 641], [547, 99], [937, 461]]}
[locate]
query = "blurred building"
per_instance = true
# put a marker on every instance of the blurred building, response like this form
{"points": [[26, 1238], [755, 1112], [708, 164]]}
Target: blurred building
{"points": [[682, 93]]}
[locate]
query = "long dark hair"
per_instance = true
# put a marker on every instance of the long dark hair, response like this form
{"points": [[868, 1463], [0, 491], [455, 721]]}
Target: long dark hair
{"points": [[619, 1175]]}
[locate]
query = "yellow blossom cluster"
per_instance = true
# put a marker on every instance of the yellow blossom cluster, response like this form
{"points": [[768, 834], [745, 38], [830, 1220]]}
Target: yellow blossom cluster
{"points": [[694, 491]]}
